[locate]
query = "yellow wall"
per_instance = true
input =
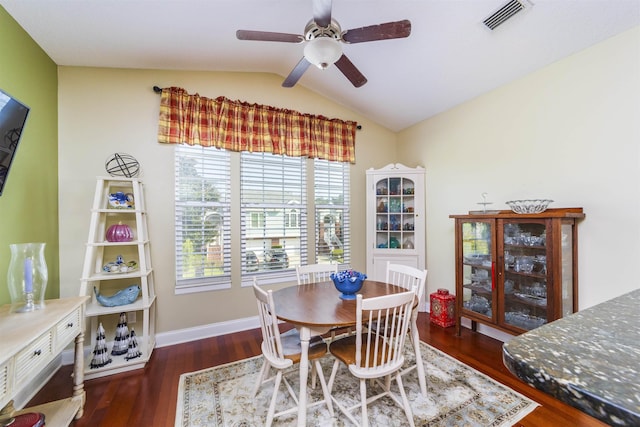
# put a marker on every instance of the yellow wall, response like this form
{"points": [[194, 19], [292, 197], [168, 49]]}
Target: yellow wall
{"points": [[29, 202], [103, 111], [569, 132]]}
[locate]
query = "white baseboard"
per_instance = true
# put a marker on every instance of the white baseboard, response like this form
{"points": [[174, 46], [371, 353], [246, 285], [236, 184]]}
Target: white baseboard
{"points": [[180, 336], [206, 331]]}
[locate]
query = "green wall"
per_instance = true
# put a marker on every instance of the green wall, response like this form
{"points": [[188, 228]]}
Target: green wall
{"points": [[29, 202]]}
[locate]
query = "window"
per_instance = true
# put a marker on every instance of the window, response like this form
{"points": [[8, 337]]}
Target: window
{"points": [[276, 214], [202, 218], [292, 219], [257, 220], [331, 194], [273, 212]]}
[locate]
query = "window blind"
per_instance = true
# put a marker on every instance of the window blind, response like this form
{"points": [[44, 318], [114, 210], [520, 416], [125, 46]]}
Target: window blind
{"points": [[332, 198], [273, 212], [202, 218]]}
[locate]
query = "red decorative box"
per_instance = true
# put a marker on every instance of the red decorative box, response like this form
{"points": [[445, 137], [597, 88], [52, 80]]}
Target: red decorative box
{"points": [[443, 307]]}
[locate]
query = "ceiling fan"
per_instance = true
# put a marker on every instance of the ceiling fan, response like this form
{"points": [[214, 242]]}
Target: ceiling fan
{"points": [[323, 37]]}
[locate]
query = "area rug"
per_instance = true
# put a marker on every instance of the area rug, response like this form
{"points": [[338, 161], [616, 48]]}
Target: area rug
{"points": [[458, 395]]}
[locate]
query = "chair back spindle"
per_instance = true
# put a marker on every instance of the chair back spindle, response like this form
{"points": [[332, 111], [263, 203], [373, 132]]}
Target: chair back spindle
{"points": [[382, 344], [314, 273], [407, 277]]}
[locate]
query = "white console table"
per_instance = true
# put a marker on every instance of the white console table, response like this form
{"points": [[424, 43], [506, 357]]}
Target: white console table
{"points": [[30, 341]]}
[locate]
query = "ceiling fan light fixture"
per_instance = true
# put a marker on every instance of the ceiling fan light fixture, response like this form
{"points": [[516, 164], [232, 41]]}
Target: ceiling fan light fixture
{"points": [[322, 51]]}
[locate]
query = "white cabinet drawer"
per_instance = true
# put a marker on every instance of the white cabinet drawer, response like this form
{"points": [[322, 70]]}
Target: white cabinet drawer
{"points": [[67, 329], [34, 357]]}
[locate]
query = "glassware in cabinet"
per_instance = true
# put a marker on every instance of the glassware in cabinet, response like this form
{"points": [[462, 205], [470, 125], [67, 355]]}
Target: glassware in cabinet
{"points": [[395, 218], [531, 260], [477, 273], [524, 289], [395, 213]]}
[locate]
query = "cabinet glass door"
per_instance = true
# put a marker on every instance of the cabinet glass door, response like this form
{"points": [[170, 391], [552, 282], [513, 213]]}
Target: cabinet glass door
{"points": [[477, 267], [567, 269], [395, 213], [525, 274]]}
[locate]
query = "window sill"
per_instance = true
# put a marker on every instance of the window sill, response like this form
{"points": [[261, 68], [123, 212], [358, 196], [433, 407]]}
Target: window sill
{"points": [[270, 278], [196, 288]]}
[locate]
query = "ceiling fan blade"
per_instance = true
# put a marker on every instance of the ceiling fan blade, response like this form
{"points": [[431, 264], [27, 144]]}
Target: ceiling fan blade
{"points": [[350, 71], [388, 30], [296, 73], [322, 12], [268, 36]]}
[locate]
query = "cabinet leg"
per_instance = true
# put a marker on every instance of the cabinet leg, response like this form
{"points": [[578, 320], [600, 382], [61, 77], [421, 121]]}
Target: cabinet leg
{"points": [[78, 374]]}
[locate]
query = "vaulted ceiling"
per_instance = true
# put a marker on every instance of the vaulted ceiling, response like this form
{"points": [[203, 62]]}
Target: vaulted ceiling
{"points": [[449, 57]]}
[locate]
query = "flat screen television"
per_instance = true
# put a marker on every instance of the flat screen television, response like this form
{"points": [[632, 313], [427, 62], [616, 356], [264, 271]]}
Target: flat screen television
{"points": [[13, 115]]}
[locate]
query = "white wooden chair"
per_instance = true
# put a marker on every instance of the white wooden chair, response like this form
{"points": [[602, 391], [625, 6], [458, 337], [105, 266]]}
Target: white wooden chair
{"points": [[375, 352], [412, 279], [282, 350], [408, 277], [314, 273]]}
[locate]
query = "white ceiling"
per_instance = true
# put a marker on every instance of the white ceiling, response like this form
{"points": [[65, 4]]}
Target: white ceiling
{"points": [[449, 58]]}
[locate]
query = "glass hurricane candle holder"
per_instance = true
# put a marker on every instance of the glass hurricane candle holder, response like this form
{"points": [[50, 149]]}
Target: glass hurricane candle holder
{"points": [[27, 276]]}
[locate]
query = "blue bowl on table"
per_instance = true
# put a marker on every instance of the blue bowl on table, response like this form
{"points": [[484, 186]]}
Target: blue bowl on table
{"points": [[348, 282]]}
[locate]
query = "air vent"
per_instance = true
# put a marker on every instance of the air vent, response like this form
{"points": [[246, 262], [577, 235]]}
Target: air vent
{"points": [[505, 12]]}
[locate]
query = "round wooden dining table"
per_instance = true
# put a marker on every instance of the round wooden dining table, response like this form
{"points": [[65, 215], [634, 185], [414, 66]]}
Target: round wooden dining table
{"points": [[316, 308]]}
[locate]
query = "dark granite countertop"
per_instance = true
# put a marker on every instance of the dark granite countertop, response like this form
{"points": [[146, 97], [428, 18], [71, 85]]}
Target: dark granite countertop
{"points": [[590, 359]]}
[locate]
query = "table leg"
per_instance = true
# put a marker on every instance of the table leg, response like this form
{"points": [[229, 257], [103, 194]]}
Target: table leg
{"points": [[78, 374], [305, 336], [415, 337]]}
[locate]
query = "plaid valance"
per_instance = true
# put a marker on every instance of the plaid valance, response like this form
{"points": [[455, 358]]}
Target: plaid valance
{"points": [[240, 126]]}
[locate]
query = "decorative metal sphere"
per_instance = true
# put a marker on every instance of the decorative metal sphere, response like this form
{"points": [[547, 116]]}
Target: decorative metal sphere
{"points": [[122, 164]]}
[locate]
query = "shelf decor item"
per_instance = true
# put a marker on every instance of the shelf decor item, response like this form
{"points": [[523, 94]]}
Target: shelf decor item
{"points": [[121, 342], [348, 282], [120, 200], [27, 276], [532, 206], [100, 353], [122, 164], [132, 351], [122, 297], [120, 266], [119, 233]]}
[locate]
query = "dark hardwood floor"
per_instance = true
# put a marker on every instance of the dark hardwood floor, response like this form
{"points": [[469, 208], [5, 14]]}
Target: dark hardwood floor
{"points": [[147, 397]]}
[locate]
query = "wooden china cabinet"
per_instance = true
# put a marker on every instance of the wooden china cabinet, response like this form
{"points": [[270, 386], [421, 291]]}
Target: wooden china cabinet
{"points": [[515, 272]]}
